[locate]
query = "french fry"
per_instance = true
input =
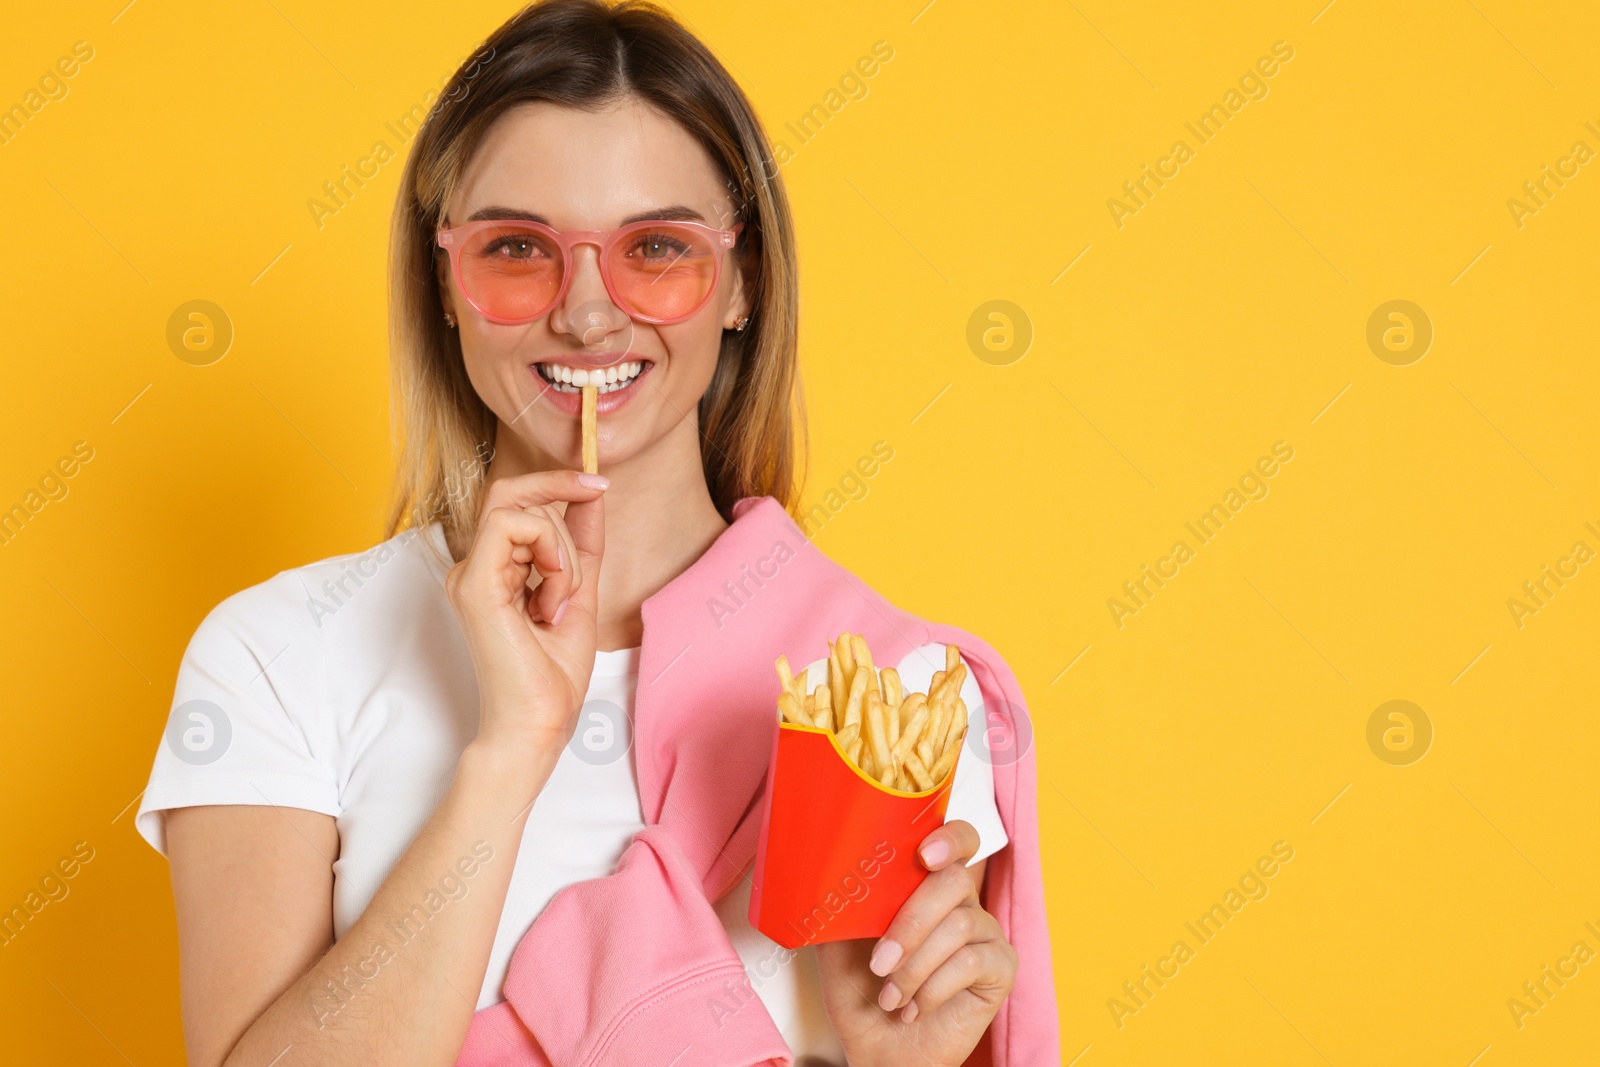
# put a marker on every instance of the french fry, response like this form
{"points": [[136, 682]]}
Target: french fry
{"points": [[958, 722], [785, 675], [847, 658], [952, 657], [853, 702], [822, 701], [591, 443], [907, 742], [838, 684], [950, 683], [878, 735], [909, 706], [792, 710], [956, 730], [946, 760], [858, 648], [854, 752], [892, 692], [925, 752], [919, 773], [863, 658], [938, 721], [848, 736]]}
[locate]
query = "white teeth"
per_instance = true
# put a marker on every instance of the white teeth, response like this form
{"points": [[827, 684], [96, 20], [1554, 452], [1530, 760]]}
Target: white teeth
{"points": [[570, 379]]}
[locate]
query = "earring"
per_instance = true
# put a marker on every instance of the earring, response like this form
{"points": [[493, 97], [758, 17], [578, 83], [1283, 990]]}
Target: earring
{"points": [[450, 320], [741, 322]]}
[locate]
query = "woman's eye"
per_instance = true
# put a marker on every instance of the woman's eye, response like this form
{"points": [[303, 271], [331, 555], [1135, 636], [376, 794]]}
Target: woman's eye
{"points": [[515, 247], [659, 247]]}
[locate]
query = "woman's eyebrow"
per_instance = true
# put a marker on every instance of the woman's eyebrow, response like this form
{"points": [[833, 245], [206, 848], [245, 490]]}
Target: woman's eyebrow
{"points": [[675, 213], [506, 213]]}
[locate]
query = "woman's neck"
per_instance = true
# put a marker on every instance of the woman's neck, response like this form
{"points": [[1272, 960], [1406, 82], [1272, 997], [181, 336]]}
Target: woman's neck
{"points": [[660, 518]]}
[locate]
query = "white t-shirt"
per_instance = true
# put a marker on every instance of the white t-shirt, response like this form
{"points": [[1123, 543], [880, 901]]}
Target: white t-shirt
{"points": [[345, 687]]}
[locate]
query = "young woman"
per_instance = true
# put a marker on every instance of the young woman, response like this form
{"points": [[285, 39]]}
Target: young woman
{"points": [[488, 792]]}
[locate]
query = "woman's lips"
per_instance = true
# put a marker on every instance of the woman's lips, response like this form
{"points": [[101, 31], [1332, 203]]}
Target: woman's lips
{"points": [[571, 403]]}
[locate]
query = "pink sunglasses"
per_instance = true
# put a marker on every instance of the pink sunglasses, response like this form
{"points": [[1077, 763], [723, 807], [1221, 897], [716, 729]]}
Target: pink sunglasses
{"points": [[513, 271]]}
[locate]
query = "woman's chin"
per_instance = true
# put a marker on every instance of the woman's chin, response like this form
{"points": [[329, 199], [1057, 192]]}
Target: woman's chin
{"points": [[558, 441]]}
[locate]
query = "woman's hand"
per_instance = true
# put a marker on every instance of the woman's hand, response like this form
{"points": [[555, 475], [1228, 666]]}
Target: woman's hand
{"points": [[532, 649], [927, 990]]}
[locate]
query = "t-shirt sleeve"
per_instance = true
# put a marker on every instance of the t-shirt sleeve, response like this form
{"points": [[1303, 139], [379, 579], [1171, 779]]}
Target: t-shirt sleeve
{"points": [[242, 727]]}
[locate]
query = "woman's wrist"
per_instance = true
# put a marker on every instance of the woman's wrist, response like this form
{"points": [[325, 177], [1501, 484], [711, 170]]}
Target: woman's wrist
{"points": [[512, 772]]}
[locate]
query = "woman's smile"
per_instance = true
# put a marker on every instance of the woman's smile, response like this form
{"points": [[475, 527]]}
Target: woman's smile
{"points": [[561, 379]]}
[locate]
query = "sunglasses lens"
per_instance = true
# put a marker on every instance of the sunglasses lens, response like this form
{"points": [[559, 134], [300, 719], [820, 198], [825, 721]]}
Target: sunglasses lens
{"points": [[663, 272], [511, 271]]}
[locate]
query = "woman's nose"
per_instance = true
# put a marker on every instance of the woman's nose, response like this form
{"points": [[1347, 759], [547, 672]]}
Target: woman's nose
{"points": [[587, 312]]}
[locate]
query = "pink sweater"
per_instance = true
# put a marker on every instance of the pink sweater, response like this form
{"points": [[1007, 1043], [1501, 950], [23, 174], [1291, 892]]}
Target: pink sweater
{"points": [[624, 969]]}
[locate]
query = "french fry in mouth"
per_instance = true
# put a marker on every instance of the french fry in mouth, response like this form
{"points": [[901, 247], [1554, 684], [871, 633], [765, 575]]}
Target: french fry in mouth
{"points": [[905, 741], [591, 442]]}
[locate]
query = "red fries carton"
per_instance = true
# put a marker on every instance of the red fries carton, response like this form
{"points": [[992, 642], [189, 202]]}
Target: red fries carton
{"points": [[836, 858]]}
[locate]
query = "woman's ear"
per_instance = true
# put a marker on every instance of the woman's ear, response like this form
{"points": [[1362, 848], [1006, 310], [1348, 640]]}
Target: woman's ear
{"points": [[447, 294], [738, 300]]}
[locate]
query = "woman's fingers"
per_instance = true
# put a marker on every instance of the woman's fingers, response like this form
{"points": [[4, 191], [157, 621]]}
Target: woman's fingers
{"points": [[956, 840], [501, 533], [941, 893], [945, 852], [586, 522], [541, 495], [542, 487], [987, 968], [571, 562], [961, 927]]}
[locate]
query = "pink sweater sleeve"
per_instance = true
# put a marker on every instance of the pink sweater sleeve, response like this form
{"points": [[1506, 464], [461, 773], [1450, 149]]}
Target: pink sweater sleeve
{"points": [[601, 979], [1026, 1032]]}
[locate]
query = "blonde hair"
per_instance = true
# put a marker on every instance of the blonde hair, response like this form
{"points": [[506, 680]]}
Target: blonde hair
{"points": [[585, 54]]}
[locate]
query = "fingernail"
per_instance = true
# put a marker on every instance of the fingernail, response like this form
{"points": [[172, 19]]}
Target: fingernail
{"points": [[561, 609], [910, 1014], [935, 852], [884, 957], [593, 481], [889, 998]]}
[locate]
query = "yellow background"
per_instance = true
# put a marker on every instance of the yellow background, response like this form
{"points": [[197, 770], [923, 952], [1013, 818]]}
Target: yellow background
{"points": [[1226, 315]]}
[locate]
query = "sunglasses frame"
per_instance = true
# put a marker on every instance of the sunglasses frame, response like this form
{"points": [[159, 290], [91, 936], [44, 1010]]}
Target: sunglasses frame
{"points": [[453, 239]]}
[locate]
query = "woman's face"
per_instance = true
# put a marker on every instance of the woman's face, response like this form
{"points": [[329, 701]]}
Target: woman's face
{"points": [[587, 170]]}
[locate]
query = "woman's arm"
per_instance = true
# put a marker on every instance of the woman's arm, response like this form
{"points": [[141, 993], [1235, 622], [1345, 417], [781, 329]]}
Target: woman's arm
{"points": [[254, 910], [254, 892]]}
